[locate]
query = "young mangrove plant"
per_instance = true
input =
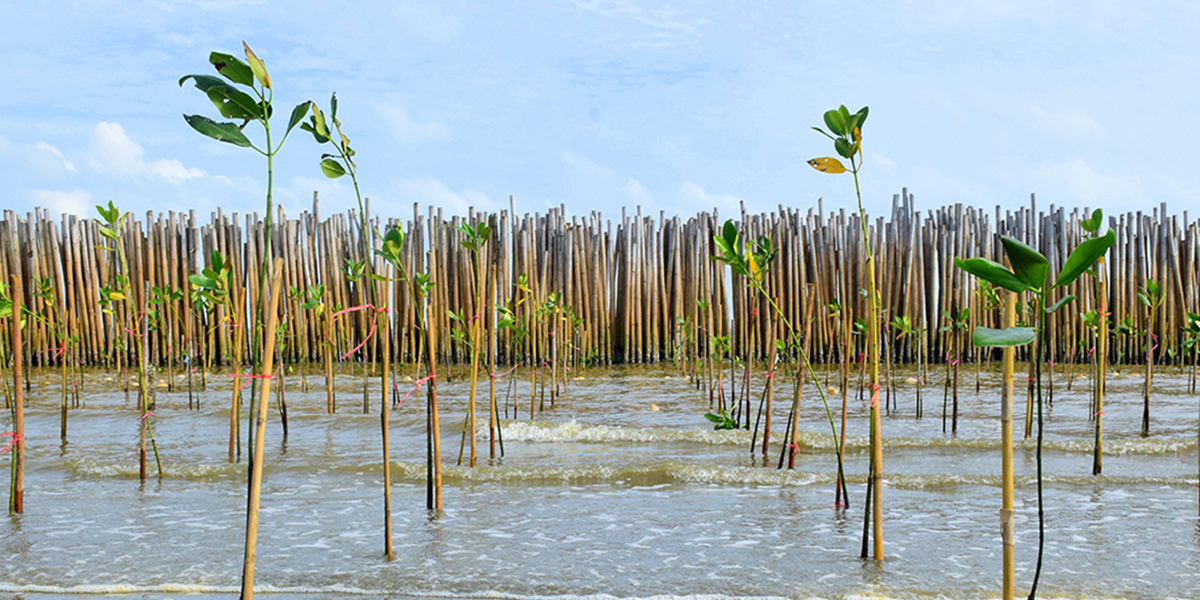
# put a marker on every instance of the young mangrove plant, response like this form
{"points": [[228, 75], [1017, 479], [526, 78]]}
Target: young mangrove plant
{"points": [[1030, 272], [212, 288], [475, 240], [111, 225], [11, 309], [419, 286], [753, 264], [1096, 320], [55, 321], [956, 324], [845, 131], [1151, 296], [244, 92]]}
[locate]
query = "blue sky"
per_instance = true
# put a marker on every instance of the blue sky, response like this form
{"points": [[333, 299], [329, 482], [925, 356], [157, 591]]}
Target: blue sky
{"points": [[676, 106]]}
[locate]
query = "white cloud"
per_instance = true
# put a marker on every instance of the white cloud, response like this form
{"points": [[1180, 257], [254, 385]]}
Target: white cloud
{"points": [[659, 26], [431, 191], [78, 202], [1071, 123], [637, 193], [1093, 187], [42, 160], [884, 162], [112, 152], [406, 130], [582, 165], [696, 199]]}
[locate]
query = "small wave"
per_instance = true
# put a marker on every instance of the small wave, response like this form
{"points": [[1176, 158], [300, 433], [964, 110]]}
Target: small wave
{"points": [[341, 590], [126, 470], [574, 431]]}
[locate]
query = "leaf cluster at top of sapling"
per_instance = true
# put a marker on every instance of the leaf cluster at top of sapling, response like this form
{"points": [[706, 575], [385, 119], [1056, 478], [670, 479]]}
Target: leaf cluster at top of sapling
{"points": [[754, 262], [312, 298], [1030, 273], [1151, 294], [212, 285], [332, 165], [723, 420], [245, 95], [474, 236], [390, 248], [845, 129]]}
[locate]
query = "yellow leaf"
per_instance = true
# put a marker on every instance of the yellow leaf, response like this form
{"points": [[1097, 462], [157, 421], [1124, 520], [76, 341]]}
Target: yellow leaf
{"points": [[257, 67], [118, 296], [754, 270], [827, 165]]}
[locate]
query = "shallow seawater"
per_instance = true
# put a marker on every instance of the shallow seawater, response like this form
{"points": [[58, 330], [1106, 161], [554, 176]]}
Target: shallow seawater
{"points": [[622, 489]]}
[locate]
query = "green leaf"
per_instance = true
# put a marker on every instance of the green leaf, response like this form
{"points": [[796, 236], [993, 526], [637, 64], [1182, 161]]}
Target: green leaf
{"points": [[1061, 302], [1084, 256], [108, 233], [862, 117], [835, 122], [992, 272], [332, 168], [233, 103], [297, 115], [203, 82], [202, 282], [222, 132], [1027, 264], [986, 337], [1092, 224], [232, 68], [844, 148]]}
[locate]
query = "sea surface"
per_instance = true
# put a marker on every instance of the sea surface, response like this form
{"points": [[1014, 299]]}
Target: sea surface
{"points": [[622, 489]]}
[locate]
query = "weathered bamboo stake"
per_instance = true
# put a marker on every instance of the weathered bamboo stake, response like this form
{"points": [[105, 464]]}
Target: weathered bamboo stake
{"points": [[260, 425], [1007, 535], [385, 328], [16, 503], [1101, 366]]}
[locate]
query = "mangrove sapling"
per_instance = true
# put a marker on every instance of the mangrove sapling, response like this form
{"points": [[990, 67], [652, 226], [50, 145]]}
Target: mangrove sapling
{"points": [[419, 286], [111, 226], [232, 102], [335, 166], [904, 329], [44, 288], [1030, 273], [957, 324], [753, 263], [1191, 345], [212, 288], [313, 300], [1151, 296], [845, 130], [160, 297], [475, 240]]}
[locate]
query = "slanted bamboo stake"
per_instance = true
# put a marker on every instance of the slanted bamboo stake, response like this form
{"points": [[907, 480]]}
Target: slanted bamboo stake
{"points": [[260, 425]]}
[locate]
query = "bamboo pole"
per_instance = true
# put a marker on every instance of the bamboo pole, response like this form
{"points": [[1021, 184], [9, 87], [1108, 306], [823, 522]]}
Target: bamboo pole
{"points": [[16, 503], [260, 425], [1007, 535]]}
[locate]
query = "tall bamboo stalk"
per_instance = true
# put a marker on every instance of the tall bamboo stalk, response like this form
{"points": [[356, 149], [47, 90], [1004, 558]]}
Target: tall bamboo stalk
{"points": [[1007, 535], [16, 502], [260, 425]]}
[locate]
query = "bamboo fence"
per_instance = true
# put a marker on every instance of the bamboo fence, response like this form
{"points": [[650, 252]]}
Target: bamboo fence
{"points": [[633, 284]]}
